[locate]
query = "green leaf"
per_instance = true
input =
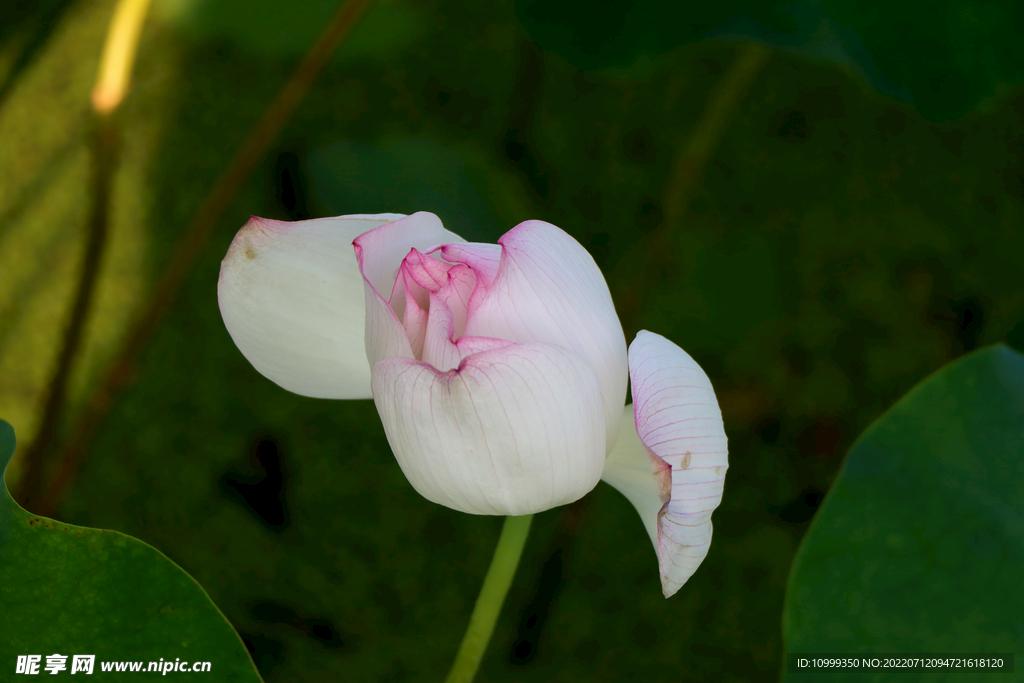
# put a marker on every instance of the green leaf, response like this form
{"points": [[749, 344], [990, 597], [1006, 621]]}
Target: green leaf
{"points": [[919, 545], [73, 590], [944, 57]]}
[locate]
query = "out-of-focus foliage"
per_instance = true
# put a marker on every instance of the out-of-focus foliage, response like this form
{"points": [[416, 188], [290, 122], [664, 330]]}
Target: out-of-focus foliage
{"points": [[288, 29], [72, 590], [44, 164], [944, 57], [918, 546], [838, 249]]}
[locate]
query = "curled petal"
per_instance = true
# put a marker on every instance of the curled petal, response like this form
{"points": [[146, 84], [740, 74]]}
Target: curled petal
{"points": [[423, 277], [484, 259], [438, 348], [671, 457], [380, 253], [428, 273], [291, 298], [414, 314], [456, 294], [548, 289], [516, 429]]}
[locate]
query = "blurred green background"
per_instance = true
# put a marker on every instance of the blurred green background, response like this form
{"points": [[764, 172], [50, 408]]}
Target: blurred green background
{"points": [[857, 225]]}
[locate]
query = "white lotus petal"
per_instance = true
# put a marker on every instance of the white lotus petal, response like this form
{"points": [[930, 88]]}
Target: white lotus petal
{"points": [[291, 297], [516, 429], [628, 469], [548, 289], [672, 454], [380, 253]]}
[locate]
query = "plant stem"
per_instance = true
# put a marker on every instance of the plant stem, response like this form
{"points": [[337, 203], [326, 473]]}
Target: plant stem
{"points": [[115, 70], [72, 451], [119, 54], [492, 595], [103, 164]]}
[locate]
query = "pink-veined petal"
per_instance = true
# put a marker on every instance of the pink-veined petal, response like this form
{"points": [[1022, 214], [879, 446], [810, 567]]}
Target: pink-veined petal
{"points": [[414, 316], [380, 253], [428, 273], [456, 293], [675, 431], [483, 258], [516, 429], [548, 289], [438, 348], [291, 297], [469, 345]]}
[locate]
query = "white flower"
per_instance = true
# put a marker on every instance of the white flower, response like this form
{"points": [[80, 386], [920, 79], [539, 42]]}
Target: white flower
{"points": [[499, 370]]}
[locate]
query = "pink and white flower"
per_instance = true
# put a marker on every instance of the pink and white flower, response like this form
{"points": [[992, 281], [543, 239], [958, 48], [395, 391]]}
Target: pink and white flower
{"points": [[499, 370]]}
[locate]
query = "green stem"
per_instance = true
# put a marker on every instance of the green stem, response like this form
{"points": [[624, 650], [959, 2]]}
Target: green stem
{"points": [[492, 595], [72, 451]]}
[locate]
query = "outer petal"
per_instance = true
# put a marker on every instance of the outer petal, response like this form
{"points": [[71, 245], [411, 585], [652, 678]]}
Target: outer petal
{"points": [[291, 297], [516, 429], [548, 289], [380, 253], [671, 457]]}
